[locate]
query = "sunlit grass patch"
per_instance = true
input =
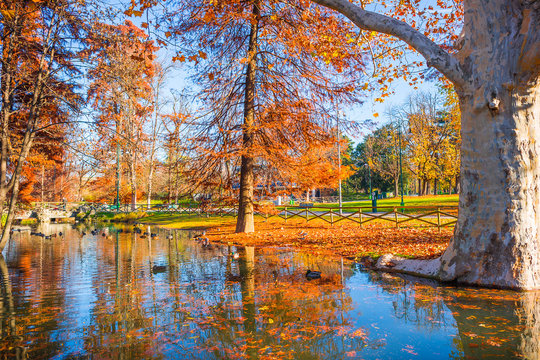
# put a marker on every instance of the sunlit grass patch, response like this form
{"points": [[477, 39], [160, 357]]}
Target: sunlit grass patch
{"points": [[428, 200], [184, 221]]}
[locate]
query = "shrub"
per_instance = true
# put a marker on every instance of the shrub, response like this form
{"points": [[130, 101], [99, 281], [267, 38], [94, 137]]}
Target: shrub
{"points": [[28, 221], [128, 217]]}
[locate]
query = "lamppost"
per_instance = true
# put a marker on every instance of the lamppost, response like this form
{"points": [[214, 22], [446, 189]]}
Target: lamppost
{"points": [[339, 164], [400, 164], [370, 189]]}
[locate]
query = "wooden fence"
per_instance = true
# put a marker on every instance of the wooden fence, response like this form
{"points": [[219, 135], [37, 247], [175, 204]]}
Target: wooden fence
{"points": [[436, 216], [440, 216]]}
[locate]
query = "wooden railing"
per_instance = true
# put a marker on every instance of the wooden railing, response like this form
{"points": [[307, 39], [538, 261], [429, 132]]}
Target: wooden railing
{"points": [[439, 216], [188, 208]]}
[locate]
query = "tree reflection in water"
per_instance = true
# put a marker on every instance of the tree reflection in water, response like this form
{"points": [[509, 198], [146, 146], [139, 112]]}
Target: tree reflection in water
{"points": [[269, 310], [491, 323], [97, 296], [11, 341]]}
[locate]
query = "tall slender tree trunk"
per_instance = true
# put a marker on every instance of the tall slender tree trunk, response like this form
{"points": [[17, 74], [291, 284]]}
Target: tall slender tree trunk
{"points": [[149, 187], [245, 222], [133, 183], [42, 184], [155, 131], [79, 192], [26, 145], [169, 188], [8, 69], [176, 185], [6, 229]]}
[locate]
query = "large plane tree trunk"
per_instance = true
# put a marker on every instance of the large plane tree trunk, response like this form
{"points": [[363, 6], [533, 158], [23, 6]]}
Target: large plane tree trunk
{"points": [[496, 75], [496, 240], [245, 222]]}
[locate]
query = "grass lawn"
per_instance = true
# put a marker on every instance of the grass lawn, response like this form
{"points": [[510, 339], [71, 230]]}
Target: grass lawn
{"points": [[430, 200], [184, 221]]}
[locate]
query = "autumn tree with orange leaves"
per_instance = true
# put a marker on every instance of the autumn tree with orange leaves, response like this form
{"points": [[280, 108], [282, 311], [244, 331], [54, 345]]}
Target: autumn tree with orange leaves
{"points": [[174, 144], [268, 72], [121, 89], [40, 44]]}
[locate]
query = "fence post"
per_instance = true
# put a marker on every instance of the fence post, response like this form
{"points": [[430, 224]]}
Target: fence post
{"points": [[439, 219], [395, 215], [331, 216], [307, 215], [285, 214], [360, 216]]}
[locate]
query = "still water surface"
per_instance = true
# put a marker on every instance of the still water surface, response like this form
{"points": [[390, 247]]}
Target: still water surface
{"points": [[130, 296]]}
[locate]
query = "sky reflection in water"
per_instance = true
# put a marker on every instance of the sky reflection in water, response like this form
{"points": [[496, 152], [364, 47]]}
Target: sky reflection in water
{"points": [[108, 297]]}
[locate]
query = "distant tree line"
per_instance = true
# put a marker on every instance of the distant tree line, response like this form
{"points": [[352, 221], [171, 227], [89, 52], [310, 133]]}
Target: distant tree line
{"points": [[426, 130]]}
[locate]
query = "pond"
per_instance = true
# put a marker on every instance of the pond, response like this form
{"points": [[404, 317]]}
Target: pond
{"points": [[124, 295]]}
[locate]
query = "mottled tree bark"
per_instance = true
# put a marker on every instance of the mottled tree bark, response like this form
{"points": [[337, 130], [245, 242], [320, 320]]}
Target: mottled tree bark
{"points": [[496, 241]]}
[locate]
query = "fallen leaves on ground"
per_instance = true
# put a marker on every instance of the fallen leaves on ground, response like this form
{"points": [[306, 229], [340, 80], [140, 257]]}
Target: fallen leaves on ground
{"points": [[347, 240]]}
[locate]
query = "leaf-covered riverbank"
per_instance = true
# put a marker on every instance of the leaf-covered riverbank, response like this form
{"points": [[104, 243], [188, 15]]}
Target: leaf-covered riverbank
{"points": [[343, 239]]}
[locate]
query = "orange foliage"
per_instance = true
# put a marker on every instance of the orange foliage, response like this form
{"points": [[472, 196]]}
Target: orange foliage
{"points": [[341, 239], [38, 88], [301, 72], [122, 73]]}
